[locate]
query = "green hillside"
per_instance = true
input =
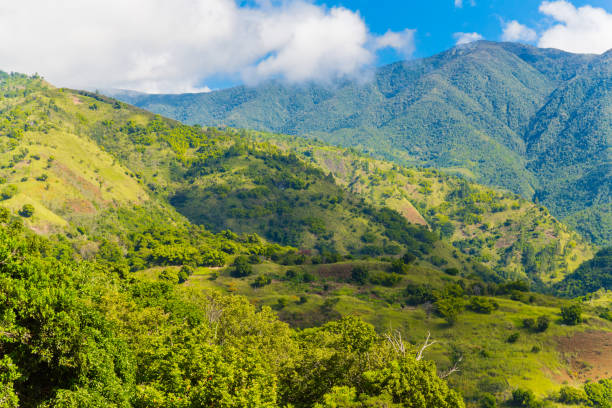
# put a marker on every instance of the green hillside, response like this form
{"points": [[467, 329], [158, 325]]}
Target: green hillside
{"points": [[147, 263], [534, 121], [514, 237]]}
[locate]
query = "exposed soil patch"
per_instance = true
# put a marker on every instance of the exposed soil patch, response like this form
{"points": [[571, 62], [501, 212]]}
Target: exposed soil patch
{"points": [[76, 100], [412, 215], [588, 355], [80, 206]]}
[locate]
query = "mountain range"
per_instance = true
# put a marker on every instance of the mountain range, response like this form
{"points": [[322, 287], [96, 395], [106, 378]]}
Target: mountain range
{"points": [[537, 122]]}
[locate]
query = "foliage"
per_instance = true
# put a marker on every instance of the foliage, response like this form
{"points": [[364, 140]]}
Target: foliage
{"points": [[572, 314], [504, 114]]}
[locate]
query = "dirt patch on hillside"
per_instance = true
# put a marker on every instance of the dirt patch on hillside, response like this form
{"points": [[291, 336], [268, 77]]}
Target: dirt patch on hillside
{"points": [[412, 215], [80, 206], [587, 354], [76, 100]]}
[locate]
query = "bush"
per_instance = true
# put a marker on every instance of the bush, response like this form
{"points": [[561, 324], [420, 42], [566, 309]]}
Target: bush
{"points": [[571, 315], [523, 398], [182, 276], [488, 400], [542, 323], [398, 266], [513, 337], [385, 279], [529, 323], [451, 271], [8, 192], [360, 275], [261, 280], [42, 177], [482, 305], [572, 396], [408, 258], [242, 267], [27, 210]]}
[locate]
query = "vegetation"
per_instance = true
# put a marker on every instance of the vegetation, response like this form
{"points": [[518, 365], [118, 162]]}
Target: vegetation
{"points": [[294, 290], [531, 120]]}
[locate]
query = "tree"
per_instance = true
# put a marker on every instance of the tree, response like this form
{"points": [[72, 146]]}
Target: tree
{"points": [[571, 315], [27, 211], [449, 308], [242, 267], [8, 192]]}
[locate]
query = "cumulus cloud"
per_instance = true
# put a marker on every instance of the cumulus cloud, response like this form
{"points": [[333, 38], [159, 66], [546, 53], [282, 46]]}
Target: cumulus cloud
{"points": [[515, 31], [402, 42], [162, 46], [582, 30], [465, 38]]}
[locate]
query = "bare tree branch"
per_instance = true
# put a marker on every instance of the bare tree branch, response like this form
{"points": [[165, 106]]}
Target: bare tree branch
{"points": [[454, 368], [427, 343], [395, 339]]}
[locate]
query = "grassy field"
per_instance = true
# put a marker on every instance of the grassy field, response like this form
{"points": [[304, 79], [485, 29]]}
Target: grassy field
{"points": [[542, 362]]}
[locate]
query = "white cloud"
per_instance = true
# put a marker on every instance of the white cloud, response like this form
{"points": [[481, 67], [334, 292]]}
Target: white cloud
{"points": [[465, 38], [515, 31], [402, 42], [162, 46], [582, 30]]}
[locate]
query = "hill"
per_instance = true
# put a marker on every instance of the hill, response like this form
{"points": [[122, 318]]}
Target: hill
{"points": [[534, 121], [147, 299], [515, 238]]}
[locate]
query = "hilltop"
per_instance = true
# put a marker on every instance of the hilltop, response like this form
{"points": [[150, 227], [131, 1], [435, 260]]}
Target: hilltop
{"points": [[534, 121]]}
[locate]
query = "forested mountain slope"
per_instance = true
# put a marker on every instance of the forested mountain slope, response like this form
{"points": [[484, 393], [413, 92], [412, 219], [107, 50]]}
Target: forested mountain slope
{"points": [[516, 238], [535, 121]]}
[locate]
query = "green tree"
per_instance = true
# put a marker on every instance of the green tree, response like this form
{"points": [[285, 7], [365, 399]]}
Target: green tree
{"points": [[27, 211], [571, 315]]}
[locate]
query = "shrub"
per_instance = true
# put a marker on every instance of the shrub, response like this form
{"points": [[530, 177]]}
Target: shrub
{"points": [[482, 305], [261, 280], [182, 276], [451, 271], [571, 315], [42, 177], [398, 266], [408, 258], [529, 323], [523, 398], [360, 275], [487, 400], [419, 294], [242, 267], [572, 396], [8, 192], [281, 303], [542, 323], [513, 337], [385, 279], [27, 210]]}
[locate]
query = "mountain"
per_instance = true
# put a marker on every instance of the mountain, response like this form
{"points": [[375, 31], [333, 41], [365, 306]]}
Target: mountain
{"points": [[535, 121]]}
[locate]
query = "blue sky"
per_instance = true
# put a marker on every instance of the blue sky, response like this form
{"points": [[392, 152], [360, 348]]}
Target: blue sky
{"points": [[437, 20], [176, 46]]}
